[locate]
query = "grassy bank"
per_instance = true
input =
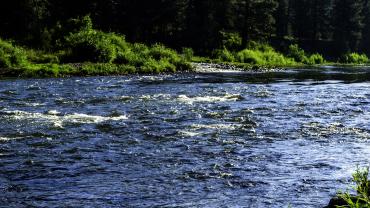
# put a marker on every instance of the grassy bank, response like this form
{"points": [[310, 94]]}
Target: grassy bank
{"points": [[89, 52], [262, 55], [85, 51]]}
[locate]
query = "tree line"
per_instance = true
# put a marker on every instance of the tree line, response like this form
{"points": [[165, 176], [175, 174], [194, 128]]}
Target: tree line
{"points": [[331, 27]]}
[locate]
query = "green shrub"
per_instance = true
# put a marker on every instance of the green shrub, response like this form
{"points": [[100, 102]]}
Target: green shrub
{"points": [[92, 45], [250, 57], [100, 54], [354, 58], [297, 53], [188, 53], [158, 56], [159, 52], [258, 46], [157, 66], [266, 56], [11, 56], [314, 59], [223, 55], [95, 46], [231, 40], [41, 57], [360, 177], [40, 70], [89, 45], [276, 59], [78, 24], [127, 57]]}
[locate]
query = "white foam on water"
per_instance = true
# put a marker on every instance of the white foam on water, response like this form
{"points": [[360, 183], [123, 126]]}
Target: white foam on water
{"points": [[53, 112], [189, 133], [216, 126], [59, 120], [319, 129], [155, 97], [35, 104], [225, 98], [5, 139], [125, 97]]}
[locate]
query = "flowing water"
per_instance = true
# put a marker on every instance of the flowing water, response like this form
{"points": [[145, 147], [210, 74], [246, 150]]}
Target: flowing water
{"points": [[183, 140]]}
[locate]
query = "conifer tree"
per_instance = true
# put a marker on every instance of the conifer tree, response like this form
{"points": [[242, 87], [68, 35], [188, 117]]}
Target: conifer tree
{"points": [[348, 24]]}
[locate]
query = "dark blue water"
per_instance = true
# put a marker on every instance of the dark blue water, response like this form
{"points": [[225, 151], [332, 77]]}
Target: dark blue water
{"points": [[186, 140]]}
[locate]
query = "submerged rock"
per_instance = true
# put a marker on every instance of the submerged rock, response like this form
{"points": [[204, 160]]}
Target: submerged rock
{"points": [[337, 201]]}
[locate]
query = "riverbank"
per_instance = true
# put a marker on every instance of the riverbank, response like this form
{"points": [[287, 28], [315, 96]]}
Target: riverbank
{"points": [[89, 52], [81, 69], [85, 51], [106, 69]]}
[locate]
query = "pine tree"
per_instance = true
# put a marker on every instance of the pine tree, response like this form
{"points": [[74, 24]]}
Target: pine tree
{"points": [[365, 43], [348, 24], [283, 19], [259, 22]]}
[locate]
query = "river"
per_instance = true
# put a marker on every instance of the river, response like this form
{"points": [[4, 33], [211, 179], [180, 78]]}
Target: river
{"points": [[228, 139]]}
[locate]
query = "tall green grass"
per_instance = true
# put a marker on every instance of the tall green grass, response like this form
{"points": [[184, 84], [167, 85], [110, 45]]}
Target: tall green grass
{"points": [[259, 54], [95, 53], [262, 54], [300, 56], [354, 58]]}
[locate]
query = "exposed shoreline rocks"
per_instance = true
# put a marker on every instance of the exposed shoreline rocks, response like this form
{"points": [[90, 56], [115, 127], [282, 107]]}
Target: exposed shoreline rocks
{"points": [[222, 67]]}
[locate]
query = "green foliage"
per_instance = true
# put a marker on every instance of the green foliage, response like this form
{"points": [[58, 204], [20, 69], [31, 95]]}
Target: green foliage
{"points": [[67, 70], [297, 53], [159, 57], [92, 45], [354, 58], [159, 52], [316, 59], [130, 58], [269, 57], [157, 66], [362, 200], [259, 46], [135, 55], [250, 56], [11, 56], [300, 56], [223, 55], [81, 23], [262, 54], [343, 24], [43, 70], [95, 46], [231, 40], [41, 57], [164, 59], [188, 53]]}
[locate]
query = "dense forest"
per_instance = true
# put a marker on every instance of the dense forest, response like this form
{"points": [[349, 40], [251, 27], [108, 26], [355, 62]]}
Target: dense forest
{"points": [[331, 27]]}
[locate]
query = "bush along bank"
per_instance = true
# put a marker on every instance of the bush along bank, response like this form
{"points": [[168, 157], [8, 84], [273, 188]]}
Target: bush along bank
{"points": [[90, 52], [362, 189], [85, 51], [265, 56]]}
